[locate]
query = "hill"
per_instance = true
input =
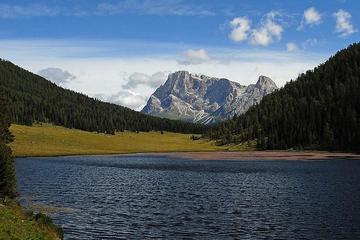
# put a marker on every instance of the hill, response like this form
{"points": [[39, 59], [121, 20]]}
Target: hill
{"points": [[202, 99], [34, 99], [319, 110]]}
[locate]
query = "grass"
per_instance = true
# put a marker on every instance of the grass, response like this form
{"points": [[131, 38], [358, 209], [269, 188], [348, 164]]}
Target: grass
{"points": [[15, 224], [245, 146], [50, 140]]}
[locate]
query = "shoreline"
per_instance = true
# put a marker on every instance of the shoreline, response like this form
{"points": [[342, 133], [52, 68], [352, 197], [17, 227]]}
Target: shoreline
{"points": [[272, 155], [232, 155]]}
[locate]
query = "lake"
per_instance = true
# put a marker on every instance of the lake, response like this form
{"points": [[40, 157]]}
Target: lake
{"points": [[143, 197]]}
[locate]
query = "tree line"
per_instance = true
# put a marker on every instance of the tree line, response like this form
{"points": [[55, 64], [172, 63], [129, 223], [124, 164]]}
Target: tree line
{"points": [[319, 110], [34, 99]]}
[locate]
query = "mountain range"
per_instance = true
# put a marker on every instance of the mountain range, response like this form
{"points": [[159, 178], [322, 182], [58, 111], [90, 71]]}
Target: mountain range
{"points": [[203, 99]]}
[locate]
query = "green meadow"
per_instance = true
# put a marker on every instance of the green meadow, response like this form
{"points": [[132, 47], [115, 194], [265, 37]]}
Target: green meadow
{"points": [[50, 140]]}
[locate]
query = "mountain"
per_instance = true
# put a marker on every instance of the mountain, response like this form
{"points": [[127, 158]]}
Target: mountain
{"points": [[319, 110], [202, 99], [34, 99]]}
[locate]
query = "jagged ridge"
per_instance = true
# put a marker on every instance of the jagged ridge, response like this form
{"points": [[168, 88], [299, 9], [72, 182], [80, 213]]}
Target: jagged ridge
{"points": [[202, 99]]}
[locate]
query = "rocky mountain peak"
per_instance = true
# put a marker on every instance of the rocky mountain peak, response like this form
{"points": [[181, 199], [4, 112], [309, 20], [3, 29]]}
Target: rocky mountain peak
{"points": [[203, 99], [265, 81], [179, 75], [266, 84]]}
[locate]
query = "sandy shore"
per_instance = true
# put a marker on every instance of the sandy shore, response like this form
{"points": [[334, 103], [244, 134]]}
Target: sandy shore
{"points": [[244, 155], [265, 155]]}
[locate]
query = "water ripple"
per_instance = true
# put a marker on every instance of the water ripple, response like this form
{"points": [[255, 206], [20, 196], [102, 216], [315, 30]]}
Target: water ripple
{"points": [[150, 197]]}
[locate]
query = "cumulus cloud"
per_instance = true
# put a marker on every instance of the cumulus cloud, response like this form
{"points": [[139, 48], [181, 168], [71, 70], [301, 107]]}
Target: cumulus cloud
{"points": [[268, 30], [57, 75], [344, 26], [124, 98], [240, 29], [292, 47], [128, 99], [136, 90], [311, 17], [141, 79], [194, 56]]}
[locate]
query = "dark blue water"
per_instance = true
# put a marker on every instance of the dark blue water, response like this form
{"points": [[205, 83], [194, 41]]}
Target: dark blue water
{"points": [[143, 197]]}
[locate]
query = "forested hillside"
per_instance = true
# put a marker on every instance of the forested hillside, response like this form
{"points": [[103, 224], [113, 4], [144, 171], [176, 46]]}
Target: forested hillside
{"points": [[33, 98], [319, 110]]}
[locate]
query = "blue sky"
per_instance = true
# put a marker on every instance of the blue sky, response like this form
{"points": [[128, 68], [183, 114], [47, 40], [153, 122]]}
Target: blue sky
{"points": [[101, 46]]}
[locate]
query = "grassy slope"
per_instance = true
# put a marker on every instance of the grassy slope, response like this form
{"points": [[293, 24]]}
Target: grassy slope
{"points": [[49, 140], [14, 224]]}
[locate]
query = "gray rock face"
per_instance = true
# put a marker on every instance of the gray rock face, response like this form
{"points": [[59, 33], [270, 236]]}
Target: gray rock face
{"points": [[202, 99]]}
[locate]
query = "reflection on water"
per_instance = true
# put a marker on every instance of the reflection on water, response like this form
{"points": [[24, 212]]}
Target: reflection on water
{"points": [[141, 197]]}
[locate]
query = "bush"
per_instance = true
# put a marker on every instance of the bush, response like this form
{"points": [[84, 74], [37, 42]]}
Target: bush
{"points": [[47, 222], [193, 137]]}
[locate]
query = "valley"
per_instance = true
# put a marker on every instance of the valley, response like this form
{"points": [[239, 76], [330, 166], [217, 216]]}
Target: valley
{"points": [[179, 119]]}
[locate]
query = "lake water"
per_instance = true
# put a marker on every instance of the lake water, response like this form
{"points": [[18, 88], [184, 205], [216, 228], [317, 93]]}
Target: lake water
{"points": [[143, 197]]}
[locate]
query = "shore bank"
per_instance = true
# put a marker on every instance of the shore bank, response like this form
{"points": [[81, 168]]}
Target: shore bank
{"points": [[16, 223], [241, 156], [265, 155]]}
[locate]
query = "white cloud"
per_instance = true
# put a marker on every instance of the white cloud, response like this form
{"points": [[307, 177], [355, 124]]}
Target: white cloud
{"points": [[268, 31], [292, 47], [124, 98], [128, 99], [312, 16], [194, 56], [240, 29], [144, 80], [343, 23], [56, 75], [260, 37]]}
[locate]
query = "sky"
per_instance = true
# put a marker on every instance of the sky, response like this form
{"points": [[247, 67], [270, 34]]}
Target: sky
{"points": [[121, 50]]}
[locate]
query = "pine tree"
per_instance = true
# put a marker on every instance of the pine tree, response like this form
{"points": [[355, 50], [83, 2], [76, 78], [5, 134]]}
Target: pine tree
{"points": [[7, 169]]}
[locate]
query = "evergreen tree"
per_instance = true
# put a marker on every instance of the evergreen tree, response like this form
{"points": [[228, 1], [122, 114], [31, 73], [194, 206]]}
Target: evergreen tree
{"points": [[328, 136], [7, 169]]}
